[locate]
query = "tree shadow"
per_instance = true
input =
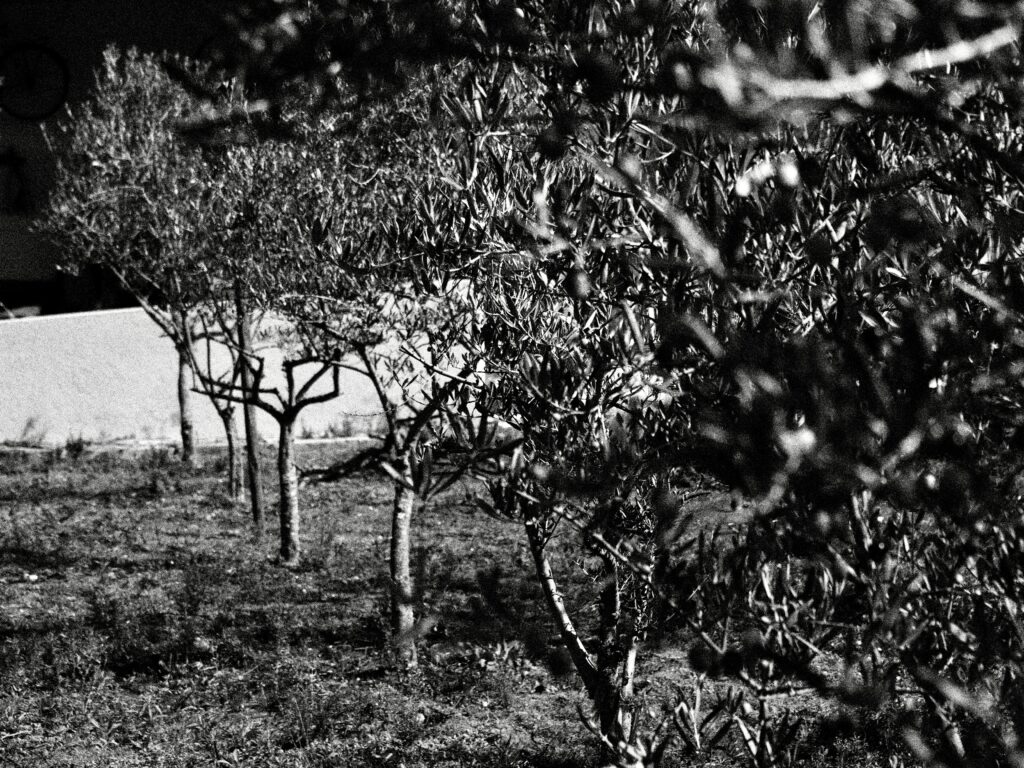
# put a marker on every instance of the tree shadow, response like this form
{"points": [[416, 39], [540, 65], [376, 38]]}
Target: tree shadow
{"points": [[24, 558]]}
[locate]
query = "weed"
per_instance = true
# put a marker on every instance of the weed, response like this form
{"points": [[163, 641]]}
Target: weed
{"points": [[200, 581], [266, 628], [354, 425], [157, 458], [33, 435], [75, 447], [326, 543], [310, 714], [161, 628], [142, 637], [106, 462]]}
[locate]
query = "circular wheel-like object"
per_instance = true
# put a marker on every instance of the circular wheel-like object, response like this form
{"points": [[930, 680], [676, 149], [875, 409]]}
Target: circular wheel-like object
{"points": [[33, 81]]}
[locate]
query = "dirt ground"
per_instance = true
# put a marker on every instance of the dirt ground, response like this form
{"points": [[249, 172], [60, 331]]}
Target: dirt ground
{"points": [[143, 625]]}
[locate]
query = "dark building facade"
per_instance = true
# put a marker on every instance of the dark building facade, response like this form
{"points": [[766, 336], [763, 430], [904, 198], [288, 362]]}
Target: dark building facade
{"points": [[76, 32]]}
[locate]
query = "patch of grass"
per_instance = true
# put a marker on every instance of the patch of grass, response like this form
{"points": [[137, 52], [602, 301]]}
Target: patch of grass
{"points": [[142, 625], [75, 447]]}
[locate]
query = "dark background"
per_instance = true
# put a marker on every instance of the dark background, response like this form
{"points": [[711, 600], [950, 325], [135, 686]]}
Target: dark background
{"points": [[78, 31]]}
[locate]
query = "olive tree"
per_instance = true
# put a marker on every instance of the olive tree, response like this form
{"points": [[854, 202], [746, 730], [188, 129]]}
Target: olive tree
{"points": [[378, 294], [265, 197], [796, 323], [128, 197]]}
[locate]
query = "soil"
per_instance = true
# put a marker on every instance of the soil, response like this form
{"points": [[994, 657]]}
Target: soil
{"points": [[143, 624]]}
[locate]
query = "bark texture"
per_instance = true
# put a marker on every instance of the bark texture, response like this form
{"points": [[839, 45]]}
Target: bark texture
{"points": [[252, 460], [235, 484], [289, 505], [403, 619], [188, 448]]}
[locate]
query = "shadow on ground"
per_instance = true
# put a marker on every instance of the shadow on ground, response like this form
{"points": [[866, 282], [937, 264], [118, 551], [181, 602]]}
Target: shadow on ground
{"points": [[144, 624]]}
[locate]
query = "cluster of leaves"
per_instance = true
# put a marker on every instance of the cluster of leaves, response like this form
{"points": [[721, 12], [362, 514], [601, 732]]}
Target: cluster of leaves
{"points": [[105, 208]]}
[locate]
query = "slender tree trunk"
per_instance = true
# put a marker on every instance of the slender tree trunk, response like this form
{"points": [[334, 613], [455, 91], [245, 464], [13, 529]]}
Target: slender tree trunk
{"points": [[626, 690], [235, 460], [289, 504], [235, 485], [249, 415], [188, 447], [402, 588]]}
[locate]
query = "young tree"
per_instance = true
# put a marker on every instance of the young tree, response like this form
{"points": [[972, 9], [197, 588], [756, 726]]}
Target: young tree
{"points": [[559, 351], [266, 193], [377, 293], [213, 336], [410, 357], [243, 328], [798, 316], [125, 198], [285, 405]]}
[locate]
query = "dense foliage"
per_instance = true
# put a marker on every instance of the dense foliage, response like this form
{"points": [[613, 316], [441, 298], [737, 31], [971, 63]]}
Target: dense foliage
{"points": [[772, 246], [772, 243]]}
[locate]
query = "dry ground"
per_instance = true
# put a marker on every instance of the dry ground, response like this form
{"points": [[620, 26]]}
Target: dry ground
{"points": [[141, 625]]}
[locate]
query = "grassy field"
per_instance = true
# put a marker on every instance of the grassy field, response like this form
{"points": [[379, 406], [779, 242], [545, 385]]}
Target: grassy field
{"points": [[142, 625]]}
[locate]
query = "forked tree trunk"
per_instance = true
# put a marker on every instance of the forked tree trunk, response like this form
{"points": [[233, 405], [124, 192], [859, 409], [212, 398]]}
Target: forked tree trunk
{"points": [[188, 447], [603, 685], [403, 619], [249, 415], [288, 477]]}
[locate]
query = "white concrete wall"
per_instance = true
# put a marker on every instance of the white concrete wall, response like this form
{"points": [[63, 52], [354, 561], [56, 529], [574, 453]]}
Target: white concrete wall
{"points": [[113, 375]]}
